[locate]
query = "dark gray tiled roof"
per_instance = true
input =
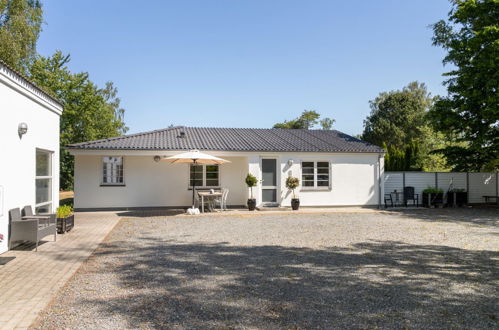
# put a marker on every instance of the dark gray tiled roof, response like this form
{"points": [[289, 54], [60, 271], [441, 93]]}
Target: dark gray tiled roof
{"points": [[234, 139]]}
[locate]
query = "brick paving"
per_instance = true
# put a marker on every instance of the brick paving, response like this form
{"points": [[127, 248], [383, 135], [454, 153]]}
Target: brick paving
{"points": [[30, 281]]}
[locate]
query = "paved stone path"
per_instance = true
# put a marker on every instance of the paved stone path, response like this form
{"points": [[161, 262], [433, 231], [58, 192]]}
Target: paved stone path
{"points": [[30, 281]]}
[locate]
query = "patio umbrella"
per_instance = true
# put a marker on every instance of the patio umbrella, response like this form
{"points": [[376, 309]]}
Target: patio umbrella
{"points": [[195, 157]]}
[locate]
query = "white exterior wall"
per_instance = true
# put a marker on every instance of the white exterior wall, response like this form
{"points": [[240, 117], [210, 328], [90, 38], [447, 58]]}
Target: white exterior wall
{"points": [[354, 180], [149, 183], [17, 155]]}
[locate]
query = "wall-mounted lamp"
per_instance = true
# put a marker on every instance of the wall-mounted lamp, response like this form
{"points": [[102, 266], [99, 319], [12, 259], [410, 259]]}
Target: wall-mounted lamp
{"points": [[290, 162], [157, 158], [22, 129]]}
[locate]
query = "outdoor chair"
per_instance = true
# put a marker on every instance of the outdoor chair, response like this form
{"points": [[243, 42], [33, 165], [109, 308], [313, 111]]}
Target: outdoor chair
{"points": [[31, 228], [222, 201], [409, 195], [388, 199]]}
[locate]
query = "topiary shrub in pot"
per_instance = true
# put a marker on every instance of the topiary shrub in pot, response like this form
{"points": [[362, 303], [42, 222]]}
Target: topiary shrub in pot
{"points": [[433, 197], [65, 219], [251, 181], [293, 183]]}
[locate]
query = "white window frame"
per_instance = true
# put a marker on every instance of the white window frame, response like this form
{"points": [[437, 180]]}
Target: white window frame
{"points": [[315, 187], [204, 177], [45, 177], [112, 184]]}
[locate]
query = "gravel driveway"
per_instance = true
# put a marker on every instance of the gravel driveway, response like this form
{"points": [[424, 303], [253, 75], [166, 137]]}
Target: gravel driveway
{"points": [[409, 269]]}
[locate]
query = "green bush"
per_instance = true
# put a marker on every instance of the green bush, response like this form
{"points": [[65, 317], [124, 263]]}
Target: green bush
{"points": [[433, 190], [292, 183], [64, 211]]}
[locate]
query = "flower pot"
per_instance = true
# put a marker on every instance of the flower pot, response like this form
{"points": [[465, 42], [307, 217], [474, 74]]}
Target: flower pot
{"points": [[251, 204], [295, 204], [433, 199], [65, 224], [459, 198]]}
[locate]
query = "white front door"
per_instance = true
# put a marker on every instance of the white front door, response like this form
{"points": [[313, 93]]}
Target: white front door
{"points": [[269, 182]]}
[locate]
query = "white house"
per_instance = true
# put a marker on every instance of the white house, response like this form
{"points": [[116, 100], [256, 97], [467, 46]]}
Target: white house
{"points": [[29, 148], [334, 169]]}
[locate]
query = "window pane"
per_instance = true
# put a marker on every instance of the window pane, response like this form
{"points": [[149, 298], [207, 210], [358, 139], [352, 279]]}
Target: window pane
{"points": [[308, 177], [269, 195], [307, 164], [323, 177], [199, 183], [199, 176], [212, 175], [323, 170], [42, 163], [308, 183], [322, 183], [211, 168], [322, 164], [308, 170], [199, 168], [212, 183], [44, 208], [112, 170], [269, 172], [43, 190]]}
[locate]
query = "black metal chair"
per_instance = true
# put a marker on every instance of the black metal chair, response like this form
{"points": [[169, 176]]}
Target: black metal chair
{"points": [[388, 198], [409, 195]]}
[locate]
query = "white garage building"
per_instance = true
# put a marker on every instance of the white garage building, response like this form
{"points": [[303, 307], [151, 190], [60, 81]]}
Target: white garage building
{"points": [[335, 169], [29, 148]]}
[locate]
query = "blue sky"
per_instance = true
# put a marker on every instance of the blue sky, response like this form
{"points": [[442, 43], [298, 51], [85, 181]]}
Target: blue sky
{"points": [[247, 63]]}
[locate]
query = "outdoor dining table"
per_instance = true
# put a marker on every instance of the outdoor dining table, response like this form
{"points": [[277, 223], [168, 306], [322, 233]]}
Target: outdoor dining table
{"points": [[208, 194]]}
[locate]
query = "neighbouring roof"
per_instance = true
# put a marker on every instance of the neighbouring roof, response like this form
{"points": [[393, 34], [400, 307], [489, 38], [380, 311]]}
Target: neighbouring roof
{"points": [[27, 83], [234, 139]]}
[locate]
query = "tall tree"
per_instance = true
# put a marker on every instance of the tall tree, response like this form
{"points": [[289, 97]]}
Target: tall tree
{"points": [[470, 112], [89, 113], [20, 26], [307, 120], [398, 122]]}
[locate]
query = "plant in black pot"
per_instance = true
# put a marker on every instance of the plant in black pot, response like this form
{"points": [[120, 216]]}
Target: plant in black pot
{"points": [[65, 219], [251, 181], [457, 197], [293, 183], [433, 197]]}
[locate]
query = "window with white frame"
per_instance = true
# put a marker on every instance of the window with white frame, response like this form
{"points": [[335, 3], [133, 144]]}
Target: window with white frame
{"points": [[315, 175], [43, 182], [206, 176], [112, 171]]}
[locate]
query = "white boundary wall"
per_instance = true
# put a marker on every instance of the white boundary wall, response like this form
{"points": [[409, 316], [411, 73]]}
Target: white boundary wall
{"points": [[476, 184]]}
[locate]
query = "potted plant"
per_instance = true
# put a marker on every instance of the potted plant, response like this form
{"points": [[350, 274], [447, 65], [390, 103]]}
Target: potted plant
{"points": [[65, 219], [433, 197], [293, 183], [457, 197], [251, 181]]}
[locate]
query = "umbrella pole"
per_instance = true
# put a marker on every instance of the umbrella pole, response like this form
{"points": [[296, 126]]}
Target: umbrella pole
{"points": [[194, 184]]}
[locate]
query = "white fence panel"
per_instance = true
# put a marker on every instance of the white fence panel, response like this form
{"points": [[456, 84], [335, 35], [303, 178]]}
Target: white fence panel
{"points": [[456, 179], [393, 181], [481, 184], [420, 181]]}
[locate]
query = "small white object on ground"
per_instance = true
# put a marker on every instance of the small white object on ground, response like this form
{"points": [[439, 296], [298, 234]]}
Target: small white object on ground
{"points": [[193, 211]]}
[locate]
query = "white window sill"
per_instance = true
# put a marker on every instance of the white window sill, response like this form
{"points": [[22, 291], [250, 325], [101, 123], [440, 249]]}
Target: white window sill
{"points": [[316, 189]]}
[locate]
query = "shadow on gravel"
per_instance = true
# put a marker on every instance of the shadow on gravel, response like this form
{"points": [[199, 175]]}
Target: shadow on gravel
{"points": [[373, 284], [472, 216]]}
